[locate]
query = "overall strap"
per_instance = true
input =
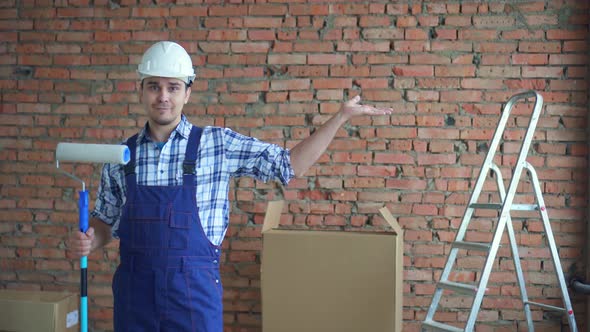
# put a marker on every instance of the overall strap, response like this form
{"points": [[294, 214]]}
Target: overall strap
{"points": [[129, 168], [190, 157]]}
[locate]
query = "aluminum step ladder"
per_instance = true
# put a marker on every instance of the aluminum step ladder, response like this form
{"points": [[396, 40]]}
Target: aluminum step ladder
{"points": [[504, 221]]}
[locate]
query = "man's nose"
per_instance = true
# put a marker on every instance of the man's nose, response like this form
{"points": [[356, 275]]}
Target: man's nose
{"points": [[163, 95]]}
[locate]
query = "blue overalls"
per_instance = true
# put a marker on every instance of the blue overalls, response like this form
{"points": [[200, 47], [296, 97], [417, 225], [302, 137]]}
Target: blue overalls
{"points": [[168, 278]]}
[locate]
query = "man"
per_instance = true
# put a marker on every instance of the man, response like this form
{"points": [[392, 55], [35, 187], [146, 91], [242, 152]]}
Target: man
{"points": [[169, 206]]}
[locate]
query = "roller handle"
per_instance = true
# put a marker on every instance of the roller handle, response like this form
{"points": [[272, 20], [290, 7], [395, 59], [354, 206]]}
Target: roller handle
{"points": [[83, 210], [83, 223]]}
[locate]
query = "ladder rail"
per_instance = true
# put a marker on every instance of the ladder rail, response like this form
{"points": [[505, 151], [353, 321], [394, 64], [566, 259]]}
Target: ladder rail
{"points": [[520, 276], [504, 221], [507, 202], [497, 138], [485, 274], [481, 178], [552, 246], [515, 253]]}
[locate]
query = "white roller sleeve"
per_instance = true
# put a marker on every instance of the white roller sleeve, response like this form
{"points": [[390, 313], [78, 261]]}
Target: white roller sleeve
{"points": [[93, 153]]}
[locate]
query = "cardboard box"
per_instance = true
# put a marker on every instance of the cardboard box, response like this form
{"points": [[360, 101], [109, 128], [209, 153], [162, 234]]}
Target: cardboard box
{"points": [[324, 281], [31, 311]]}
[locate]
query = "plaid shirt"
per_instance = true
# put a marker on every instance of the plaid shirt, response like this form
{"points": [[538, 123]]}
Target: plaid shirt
{"points": [[223, 154]]}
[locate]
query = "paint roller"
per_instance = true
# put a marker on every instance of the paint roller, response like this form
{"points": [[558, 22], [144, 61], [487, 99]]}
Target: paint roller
{"points": [[89, 153]]}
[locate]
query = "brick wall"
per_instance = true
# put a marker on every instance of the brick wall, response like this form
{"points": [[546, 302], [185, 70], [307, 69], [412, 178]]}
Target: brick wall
{"points": [[275, 71]]}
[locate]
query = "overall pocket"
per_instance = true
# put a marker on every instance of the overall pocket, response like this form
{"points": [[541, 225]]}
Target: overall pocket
{"points": [[179, 230], [148, 225]]}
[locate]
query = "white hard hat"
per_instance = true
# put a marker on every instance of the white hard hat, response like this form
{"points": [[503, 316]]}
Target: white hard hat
{"points": [[167, 59]]}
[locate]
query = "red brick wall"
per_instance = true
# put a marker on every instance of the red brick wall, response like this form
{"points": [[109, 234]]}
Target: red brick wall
{"points": [[275, 71]]}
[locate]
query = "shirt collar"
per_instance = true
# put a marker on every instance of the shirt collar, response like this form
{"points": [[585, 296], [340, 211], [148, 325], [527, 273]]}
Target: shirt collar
{"points": [[183, 130]]}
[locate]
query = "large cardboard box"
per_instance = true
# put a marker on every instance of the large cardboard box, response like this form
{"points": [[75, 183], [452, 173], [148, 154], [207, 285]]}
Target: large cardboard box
{"points": [[32, 311], [324, 281]]}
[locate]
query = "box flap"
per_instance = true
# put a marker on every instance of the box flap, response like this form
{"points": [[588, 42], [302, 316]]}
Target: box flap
{"points": [[32, 296], [391, 220], [273, 215]]}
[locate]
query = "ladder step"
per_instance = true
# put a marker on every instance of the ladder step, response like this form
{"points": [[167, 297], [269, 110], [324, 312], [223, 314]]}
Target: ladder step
{"points": [[546, 306], [440, 326], [457, 287], [472, 245], [496, 206]]}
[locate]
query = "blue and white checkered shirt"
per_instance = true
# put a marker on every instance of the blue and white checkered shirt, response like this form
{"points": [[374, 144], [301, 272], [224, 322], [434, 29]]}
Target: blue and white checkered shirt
{"points": [[223, 154]]}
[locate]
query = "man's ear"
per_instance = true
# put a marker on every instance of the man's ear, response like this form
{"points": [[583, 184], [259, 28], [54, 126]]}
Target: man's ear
{"points": [[188, 95], [139, 87]]}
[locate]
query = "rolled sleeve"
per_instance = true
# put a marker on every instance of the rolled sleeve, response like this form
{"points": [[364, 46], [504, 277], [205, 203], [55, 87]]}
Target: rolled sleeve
{"points": [[249, 156], [285, 171]]}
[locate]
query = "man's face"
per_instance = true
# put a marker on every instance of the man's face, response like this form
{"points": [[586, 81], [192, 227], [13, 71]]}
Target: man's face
{"points": [[163, 99]]}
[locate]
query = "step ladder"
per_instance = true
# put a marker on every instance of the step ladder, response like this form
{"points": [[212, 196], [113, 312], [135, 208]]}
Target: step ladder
{"points": [[504, 221]]}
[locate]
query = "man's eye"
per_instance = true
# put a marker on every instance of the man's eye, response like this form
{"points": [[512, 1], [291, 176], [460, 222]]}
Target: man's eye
{"points": [[153, 88]]}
